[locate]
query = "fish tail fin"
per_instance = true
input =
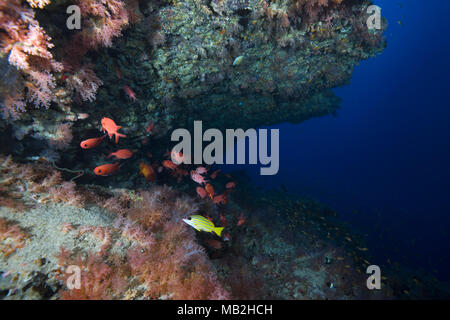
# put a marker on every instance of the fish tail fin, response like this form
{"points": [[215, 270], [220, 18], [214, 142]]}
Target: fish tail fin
{"points": [[218, 230], [119, 135]]}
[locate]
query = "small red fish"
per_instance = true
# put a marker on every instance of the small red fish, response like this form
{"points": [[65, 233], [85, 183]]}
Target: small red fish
{"points": [[221, 199], [201, 192], [223, 220], [214, 174], [201, 170], [107, 169], [149, 128], [91, 143], [121, 154], [111, 128], [169, 165], [241, 220], [197, 178], [130, 92], [230, 185]]}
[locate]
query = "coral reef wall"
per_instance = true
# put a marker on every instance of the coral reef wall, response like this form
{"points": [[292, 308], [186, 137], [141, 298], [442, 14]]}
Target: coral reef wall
{"points": [[229, 63], [240, 63]]}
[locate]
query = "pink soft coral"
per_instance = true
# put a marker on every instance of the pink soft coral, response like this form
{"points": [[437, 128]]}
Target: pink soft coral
{"points": [[28, 49], [13, 106], [105, 20], [38, 3], [85, 82]]}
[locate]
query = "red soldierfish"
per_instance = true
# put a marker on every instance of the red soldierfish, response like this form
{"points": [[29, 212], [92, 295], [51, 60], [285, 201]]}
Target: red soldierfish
{"points": [[220, 199], [107, 169], [169, 165], [230, 185], [130, 93], [201, 192], [241, 220], [197, 178], [223, 220], [121, 154], [111, 128], [91, 143], [214, 174]]}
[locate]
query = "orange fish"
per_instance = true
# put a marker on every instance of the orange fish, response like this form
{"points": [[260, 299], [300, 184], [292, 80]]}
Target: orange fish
{"points": [[121, 154], [169, 165], [107, 169], [130, 93], [230, 185], [110, 126], [201, 192], [210, 190], [214, 174], [91, 143], [147, 171]]}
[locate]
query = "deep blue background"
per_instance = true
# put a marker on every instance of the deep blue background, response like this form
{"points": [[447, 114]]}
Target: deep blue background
{"points": [[384, 162]]}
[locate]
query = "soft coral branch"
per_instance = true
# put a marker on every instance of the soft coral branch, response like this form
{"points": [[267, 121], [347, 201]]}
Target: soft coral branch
{"points": [[28, 49]]}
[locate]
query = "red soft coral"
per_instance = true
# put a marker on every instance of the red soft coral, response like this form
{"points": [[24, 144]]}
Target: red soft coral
{"points": [[12, 237]]}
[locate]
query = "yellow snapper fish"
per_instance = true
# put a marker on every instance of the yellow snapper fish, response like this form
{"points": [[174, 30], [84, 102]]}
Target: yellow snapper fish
{"points": [[200, 223]]}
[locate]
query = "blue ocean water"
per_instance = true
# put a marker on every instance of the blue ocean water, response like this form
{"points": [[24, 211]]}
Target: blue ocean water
{"points": [[384, 162]]}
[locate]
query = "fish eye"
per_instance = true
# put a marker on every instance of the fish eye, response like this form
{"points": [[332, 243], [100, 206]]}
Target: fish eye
{"points": [[99, 171]]}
